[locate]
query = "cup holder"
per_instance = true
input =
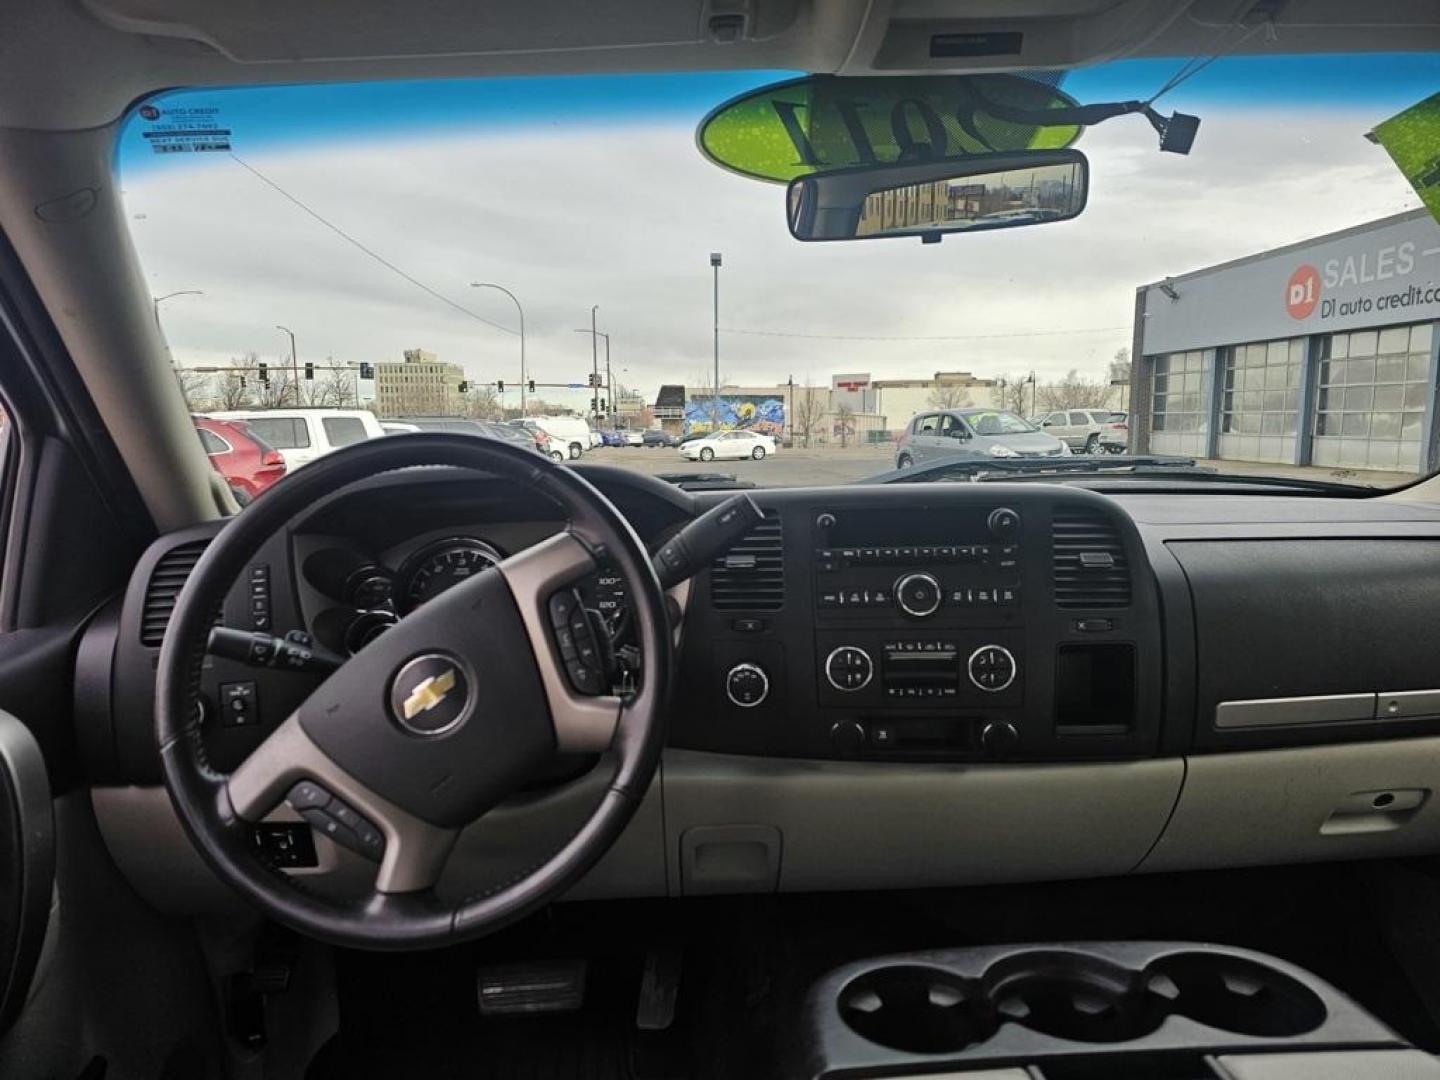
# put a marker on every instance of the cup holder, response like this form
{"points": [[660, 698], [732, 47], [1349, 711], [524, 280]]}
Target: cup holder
{"points": [[1236, 995], [1075, 997], [919, 1009]]}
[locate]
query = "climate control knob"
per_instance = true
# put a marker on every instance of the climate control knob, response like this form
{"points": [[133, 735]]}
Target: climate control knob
{"points": [[992, 668], [849, 668], [747, 685], [918, 595]]}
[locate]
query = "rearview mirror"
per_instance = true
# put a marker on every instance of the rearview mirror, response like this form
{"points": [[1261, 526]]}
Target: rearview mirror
{"points": [[958, 433], [929, 199]]}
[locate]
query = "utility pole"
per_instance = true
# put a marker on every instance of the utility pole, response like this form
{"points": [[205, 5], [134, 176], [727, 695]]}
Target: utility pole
{"points": [[715, 396], [609, 386], [521, 310], [1034, 396], [294, 364], [790, 411]]}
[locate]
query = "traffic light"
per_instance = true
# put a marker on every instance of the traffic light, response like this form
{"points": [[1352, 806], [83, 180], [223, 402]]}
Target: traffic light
{"points": [[264, 374], [309, 370], [531, 387], [367, 371], [464, 387], [242, 382], [594, 379], [500, 386]]}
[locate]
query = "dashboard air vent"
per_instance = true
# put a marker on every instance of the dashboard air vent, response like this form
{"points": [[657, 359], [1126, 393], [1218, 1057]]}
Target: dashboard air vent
{"points": [[166, 581], [1089, 558], [751, 575]]}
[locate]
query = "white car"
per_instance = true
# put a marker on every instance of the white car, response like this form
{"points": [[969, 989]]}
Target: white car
{"points": [[569, 433], [634, 437], [596, 439], [729, 444], [302, 435]]}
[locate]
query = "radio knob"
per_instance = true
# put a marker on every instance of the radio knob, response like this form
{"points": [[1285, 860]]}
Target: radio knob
{"points": [[1004, 523], [849, 668], [999, 737], [747, 685], [991, 668], [847, 736], [918, 595]]}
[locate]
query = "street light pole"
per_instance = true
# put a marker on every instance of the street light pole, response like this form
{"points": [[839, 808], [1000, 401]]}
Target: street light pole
{"points": [[715, 396], [521, 310], [294, 362], [156, 301], [594, 355], [1034, 396]]}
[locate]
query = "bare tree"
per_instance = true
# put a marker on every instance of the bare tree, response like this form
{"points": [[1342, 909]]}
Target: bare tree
{"points": [[1074, 391], [195, 386], [845, 423], [238, 382], [809, 409], [276, 391], [482, 403], [1013, 392], [948, 395], [338, 386]]}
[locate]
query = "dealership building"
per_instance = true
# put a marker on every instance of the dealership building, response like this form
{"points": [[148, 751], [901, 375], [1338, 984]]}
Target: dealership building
{"points": [[1320, 353]]}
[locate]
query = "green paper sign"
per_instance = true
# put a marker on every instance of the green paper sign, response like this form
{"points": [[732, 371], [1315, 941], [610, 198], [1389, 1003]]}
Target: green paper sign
{"points": [[824, 122], [1412, 139]]}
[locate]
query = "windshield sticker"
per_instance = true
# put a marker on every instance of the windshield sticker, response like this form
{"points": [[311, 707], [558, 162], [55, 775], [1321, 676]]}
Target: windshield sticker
{"points": [[184, 129], [1412, 139], [823, 123]]}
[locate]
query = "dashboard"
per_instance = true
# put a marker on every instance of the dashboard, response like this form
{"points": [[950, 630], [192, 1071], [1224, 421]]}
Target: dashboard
{"points": [[888, 686]]}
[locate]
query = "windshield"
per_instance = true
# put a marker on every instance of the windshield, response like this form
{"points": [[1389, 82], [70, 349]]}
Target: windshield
{"points": [[327, 258]]}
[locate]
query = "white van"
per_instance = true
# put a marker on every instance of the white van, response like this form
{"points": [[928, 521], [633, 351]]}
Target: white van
{"points": [[302, 435], [569, 431]]}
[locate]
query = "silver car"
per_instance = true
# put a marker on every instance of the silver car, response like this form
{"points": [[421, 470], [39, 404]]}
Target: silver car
{"points": [[972, 433], [1085, 430]]}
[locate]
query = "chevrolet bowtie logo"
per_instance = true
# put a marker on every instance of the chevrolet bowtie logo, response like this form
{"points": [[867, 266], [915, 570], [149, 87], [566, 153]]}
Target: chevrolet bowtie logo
{"points": [[429, 693]]}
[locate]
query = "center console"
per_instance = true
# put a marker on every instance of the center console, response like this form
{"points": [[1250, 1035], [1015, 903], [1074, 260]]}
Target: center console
{"points": [[968, 623], [1118, 1010]]}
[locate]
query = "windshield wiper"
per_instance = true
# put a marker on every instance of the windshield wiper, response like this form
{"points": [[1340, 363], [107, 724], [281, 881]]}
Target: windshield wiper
{"points": [[976, 470], [704, 481], [1121, 467]]}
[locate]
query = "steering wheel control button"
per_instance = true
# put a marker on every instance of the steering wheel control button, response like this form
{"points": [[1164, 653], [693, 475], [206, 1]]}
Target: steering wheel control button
{"points": [[849, 668], [430, 695], [918, 595], [239, 705], [747, 685], [307, 795], [992, 668], [260, 596]]}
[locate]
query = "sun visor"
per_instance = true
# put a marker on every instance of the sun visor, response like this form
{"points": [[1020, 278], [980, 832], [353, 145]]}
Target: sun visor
{"points": [[268, 31]]}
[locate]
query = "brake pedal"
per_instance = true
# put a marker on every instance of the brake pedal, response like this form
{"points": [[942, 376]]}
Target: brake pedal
{"points": [[549, 986], [659, 988]]}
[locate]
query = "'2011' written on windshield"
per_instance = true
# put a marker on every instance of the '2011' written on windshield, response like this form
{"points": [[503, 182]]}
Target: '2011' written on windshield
{"points": [[935, 140]]}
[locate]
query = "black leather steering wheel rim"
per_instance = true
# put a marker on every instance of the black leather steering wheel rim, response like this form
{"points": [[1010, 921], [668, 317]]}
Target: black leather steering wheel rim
{"points": [[401, 917]]}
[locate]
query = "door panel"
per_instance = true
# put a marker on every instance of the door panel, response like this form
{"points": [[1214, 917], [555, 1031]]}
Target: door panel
{"points": [[27, 863]]}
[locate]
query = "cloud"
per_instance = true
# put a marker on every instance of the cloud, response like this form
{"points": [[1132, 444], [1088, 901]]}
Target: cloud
{"points": [[626, 218]]}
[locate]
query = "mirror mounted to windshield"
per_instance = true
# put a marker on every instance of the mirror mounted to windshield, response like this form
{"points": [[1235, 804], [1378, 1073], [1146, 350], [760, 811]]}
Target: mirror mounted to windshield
{"points": [[930, 199]]}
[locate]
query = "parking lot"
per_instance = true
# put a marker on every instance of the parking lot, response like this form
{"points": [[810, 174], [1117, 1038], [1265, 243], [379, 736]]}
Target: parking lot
{"points": [[834, 465], [787, 468]]}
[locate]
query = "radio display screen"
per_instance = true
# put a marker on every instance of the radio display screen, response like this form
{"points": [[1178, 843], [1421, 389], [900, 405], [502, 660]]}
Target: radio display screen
{"points": [[870, 527]]}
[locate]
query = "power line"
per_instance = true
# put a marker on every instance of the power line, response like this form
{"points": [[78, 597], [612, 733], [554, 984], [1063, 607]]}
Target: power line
{"points": [[338, 231], [938, 337]]}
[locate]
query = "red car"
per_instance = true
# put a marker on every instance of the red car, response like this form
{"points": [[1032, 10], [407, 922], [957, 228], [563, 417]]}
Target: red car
{"points": [[247, 462]]}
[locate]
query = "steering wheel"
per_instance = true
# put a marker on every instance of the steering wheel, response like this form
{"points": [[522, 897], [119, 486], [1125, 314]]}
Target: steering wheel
{"points": [[434, 723]]}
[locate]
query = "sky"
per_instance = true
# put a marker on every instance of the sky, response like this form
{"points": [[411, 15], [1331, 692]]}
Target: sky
{"points": [[590, 191]]}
